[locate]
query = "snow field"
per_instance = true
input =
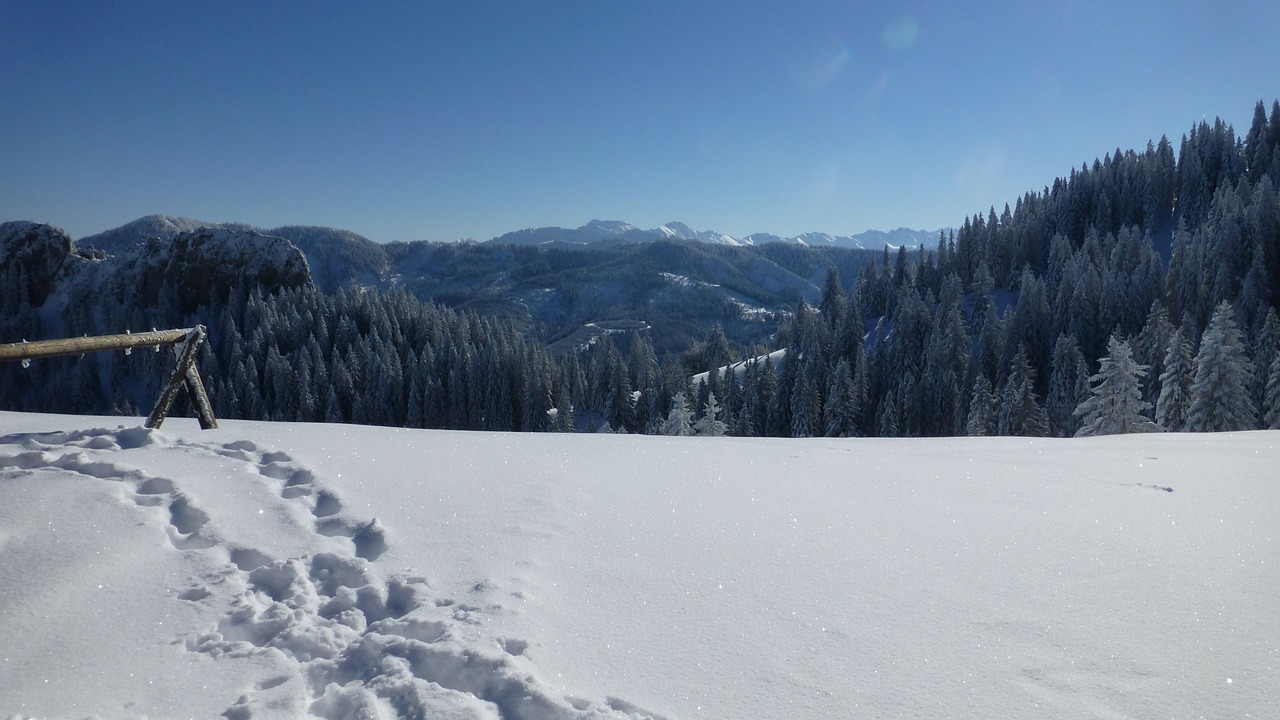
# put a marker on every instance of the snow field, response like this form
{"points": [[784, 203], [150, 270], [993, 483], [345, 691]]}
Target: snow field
{"points": [[279, 570]]}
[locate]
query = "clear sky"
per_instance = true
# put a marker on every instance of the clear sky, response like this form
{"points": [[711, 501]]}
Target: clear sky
{"points": [[438, 120]]}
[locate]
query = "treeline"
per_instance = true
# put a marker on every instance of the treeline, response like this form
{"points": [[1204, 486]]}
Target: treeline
{"points": [[998, 330], [300, 355]]}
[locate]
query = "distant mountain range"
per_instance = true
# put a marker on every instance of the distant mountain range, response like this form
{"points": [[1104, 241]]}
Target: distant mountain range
{"points": [[595, 232], [614, 231]]}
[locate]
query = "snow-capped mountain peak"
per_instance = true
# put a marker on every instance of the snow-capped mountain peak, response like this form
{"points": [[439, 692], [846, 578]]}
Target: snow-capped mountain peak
{"points": [[609, 227], [680, 231]]}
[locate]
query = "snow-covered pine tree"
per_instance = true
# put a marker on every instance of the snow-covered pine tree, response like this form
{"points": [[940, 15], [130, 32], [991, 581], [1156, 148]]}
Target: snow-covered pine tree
{"points": [[1266, 345], [710, 422], [832, 306], [806, 411], [1020, 412], [1084, 324], [1175, 384], [679, 418], [982, 409], [1220, 398], [1115, 405], [887, 417], [564, 420], [332, 408], [1271, 397], [840, 408], [716, 351], [1028, 323], [988, 344], [620, 402], [1150, 347], [1068, 386]]}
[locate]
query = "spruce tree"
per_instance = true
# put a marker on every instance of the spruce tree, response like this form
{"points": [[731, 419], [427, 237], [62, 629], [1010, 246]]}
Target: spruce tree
{"points": [[1271, 397], [679, 419], [1150, 346], [982, 409], [806, 410], [1266, 345], [887, 417], [1220, 398], [861, 378], [748, 419], [332, 408], [831, 308], [988, 346], [1175, 384], [564, 408], [769, 406], [710, 423], [1020, 412], [1085, 324], [780, 408], [1068, 385], [840, 408], [1115, 405], [716, 352]]}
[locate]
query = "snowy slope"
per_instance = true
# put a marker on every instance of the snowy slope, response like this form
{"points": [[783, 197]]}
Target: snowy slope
{"points": [[242, 571]]}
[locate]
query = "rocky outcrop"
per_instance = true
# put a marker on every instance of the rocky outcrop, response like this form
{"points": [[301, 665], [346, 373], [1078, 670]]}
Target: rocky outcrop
{"points": [[199, 261], [336, 257], [192, 265], [34, 252]]}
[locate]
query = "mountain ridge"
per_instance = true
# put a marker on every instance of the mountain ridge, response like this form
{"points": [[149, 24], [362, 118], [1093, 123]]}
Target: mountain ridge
{"points": [[595, 231]]}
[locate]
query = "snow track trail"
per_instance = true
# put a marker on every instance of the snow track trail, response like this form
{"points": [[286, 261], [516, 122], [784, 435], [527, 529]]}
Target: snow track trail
{"points": [[278, 573]]}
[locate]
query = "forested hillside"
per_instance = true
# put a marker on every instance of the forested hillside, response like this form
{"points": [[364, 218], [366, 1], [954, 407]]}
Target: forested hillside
{"points": [[1172, 258], [1000, 331], [557, 293]]}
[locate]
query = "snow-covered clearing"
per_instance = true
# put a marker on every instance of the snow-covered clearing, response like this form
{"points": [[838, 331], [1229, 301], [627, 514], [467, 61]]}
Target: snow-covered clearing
{"points": [[280, 570]]}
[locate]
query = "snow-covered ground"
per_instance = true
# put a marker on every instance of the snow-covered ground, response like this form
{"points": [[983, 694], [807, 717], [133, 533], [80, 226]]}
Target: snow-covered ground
{"points": [[280, 570]]}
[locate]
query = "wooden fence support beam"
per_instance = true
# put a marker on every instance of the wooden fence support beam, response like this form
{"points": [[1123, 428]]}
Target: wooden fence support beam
{"points": [[199, 399], [185, 375]]}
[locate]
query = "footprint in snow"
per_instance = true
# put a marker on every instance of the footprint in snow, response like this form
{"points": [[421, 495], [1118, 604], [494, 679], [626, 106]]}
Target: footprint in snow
{"points": [[359, 642]]}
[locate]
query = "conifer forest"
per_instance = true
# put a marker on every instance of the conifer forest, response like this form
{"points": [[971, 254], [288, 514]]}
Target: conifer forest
{"points": [[1136, 293]]}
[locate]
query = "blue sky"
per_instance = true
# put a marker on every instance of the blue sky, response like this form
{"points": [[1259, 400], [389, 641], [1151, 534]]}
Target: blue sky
{"points": [[443, 120]]}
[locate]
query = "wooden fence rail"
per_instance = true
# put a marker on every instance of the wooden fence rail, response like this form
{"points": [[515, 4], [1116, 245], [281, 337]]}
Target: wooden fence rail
{"points": [[75, 346], [186, 343]]}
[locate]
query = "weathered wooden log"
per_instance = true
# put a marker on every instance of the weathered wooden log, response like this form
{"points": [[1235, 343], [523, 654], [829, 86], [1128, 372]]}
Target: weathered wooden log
{"points": [[76, 346], [199, 399]]}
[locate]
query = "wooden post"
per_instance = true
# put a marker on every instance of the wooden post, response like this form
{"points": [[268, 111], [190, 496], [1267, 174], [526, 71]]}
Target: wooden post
{"points": [[185, 375], [186, 344]]}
